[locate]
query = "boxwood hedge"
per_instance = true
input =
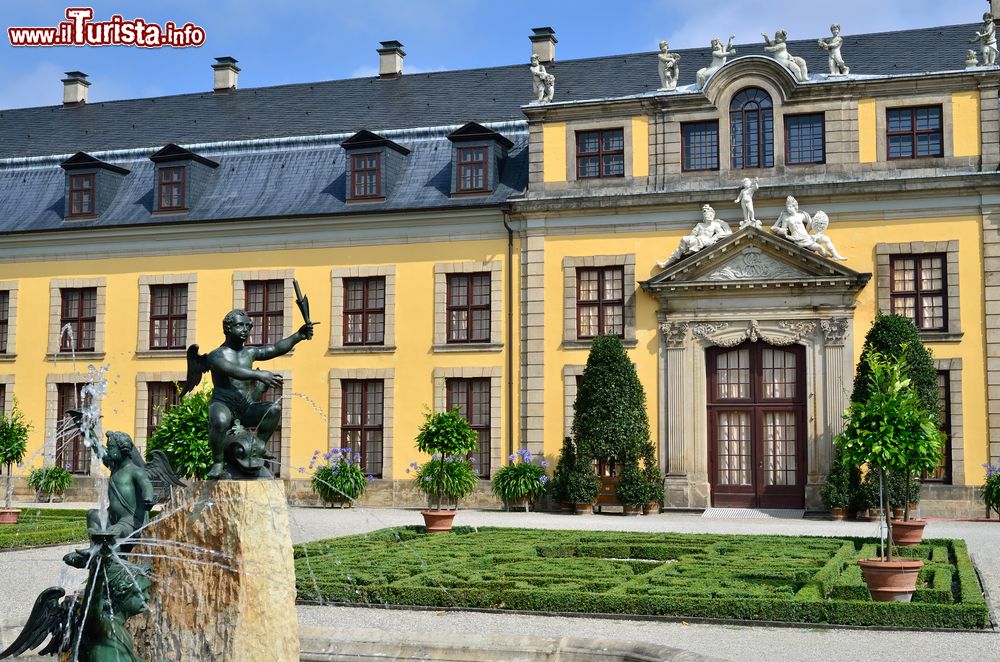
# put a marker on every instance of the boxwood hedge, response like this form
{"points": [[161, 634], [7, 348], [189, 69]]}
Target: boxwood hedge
{"points": [[44, 526], [753, 578]]}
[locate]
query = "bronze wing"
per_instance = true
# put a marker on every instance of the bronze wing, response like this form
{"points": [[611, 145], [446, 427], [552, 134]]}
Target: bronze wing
{"points": [[52, 616], [197, 366], [161, 475]]}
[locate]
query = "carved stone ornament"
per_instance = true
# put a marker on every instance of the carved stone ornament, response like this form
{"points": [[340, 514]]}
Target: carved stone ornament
{"points": [[674, 333], [778, 48], [668, 68], [832, 48], [543, 83], [806, 231], [753, 264], [719, 55], [704, 234], [796, 329], [835, 330]]}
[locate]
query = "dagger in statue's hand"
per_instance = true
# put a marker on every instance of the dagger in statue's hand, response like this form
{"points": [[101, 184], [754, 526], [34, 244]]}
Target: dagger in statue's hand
{"points": [[303, 303]]}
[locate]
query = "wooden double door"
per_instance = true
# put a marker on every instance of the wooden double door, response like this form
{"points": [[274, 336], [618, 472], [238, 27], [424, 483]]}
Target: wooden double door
{"points": [[756, 420]]}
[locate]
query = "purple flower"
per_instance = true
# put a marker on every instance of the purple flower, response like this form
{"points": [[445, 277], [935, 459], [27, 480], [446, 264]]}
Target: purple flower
{"points": [[302, 470], [371, 478], [543, 479], [427, 479], [436, 456], [512, 457], [357, 457], [545, 464], [407, 470]]}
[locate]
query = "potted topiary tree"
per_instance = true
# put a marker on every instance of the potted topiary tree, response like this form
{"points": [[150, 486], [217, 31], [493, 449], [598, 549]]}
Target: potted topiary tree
{"points": [[890, 431], [449, 476], [582, 486], [558, 485], [13, 446], [632, 489], [836, 492], [610, 423], [654, 488]]}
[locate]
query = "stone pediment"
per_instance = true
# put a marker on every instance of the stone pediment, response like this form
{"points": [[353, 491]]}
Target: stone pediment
{"points": [[754, 258]]}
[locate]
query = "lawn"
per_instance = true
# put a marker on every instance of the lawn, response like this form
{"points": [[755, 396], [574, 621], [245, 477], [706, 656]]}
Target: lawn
{"points": [[44, 526], [756, 578]]}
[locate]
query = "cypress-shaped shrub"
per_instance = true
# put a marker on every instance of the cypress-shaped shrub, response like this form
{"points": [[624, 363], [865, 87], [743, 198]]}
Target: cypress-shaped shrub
{"points": [[609, 415], [886, 336]]}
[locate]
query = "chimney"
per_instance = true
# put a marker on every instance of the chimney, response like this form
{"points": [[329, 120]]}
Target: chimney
{"points": [[75, 88], [543, 44], [225, 74], [390, 59]]}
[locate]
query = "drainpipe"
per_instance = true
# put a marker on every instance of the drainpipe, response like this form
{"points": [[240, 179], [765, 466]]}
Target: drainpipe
{"points": [[505, 209]]}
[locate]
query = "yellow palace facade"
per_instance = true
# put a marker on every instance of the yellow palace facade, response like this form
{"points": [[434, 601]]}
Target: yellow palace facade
{"points": [[461, 245]]}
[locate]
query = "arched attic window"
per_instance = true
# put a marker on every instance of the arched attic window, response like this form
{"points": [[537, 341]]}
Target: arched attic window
{"points": [[751, 127]]}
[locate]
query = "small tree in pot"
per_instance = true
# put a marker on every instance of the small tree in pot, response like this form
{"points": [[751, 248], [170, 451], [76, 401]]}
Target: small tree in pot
{"points": [[632, 489], [449, 440], [892, 432], [13, 446], [836, 492]]}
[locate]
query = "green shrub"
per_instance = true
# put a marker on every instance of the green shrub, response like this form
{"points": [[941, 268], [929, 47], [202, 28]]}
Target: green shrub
{"points": [[182, 435], [565, 464], [445, 481], [609, 414], [991, 489], [632, 489], [340, 478], [654, 483], [836, 492], [449, 439], [582, 484], [521, 479], [49, 481], [14, 431]]}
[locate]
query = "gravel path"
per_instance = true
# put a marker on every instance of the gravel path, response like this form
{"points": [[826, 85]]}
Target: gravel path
{"points": [[23, 574]]}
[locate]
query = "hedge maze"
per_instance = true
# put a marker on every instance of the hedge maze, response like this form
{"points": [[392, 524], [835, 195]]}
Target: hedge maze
{"points": [[44, 526], [754, 578]]}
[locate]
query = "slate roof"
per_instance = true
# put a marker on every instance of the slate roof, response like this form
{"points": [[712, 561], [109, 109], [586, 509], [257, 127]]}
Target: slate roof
{"points": [[421, 100]]}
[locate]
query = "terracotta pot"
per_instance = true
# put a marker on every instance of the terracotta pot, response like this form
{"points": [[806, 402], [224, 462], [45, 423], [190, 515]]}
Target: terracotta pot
{"points": [[566, 506], [631, 511], [891, 581], [908, 533], [584, 509], [839, 514], [438, 521], [897, 512], [9, 515], [651, 509], [523, 504]]}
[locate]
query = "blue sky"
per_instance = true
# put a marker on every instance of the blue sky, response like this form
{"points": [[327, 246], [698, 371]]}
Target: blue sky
{"points": [[311, 40]]}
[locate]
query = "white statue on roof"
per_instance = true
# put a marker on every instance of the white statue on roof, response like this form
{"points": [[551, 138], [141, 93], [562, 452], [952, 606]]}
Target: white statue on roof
{"points": [[808, 232], [832, 47], [988, 37], [719, 55], [704, 234], [779, 49], [544, 83], [745, 201], [668, 67], [971, 59]]}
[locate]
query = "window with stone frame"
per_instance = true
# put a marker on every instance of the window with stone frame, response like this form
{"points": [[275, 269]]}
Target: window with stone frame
{"points": [[161, 397], [918, 289], [79, 315], [172, 187], [751, 129], [700, 145], [265, 306], [273, 443], [942, 474], [362, 421], [168, 310], [81, 194], [472, 397], [473, 169], [364, 311], [71, 453], [468, 307], [600, 302], [366, 180], [4, 319], [914, 132], [805, 139], [600, 153]]}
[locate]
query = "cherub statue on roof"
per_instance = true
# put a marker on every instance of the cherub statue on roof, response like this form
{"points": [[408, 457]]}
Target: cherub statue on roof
{"points": [[808, 232], [542, 81], [719, 55], [832, 47], [988, 36], [704, 234], [779, 49], [668, 68]]}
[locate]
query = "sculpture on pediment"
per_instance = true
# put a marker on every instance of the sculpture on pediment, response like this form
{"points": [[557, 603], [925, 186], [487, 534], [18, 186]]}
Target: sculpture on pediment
{"points": [[719, 55], [799, 228], [543, 82], [704, 234], [779, 49], [668, 67], [988, 37], [832, 47], [745, 201], [971, 59]]}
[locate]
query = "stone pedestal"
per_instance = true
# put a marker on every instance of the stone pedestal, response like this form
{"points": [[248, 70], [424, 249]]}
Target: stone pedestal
{"points": [[223, 576]]}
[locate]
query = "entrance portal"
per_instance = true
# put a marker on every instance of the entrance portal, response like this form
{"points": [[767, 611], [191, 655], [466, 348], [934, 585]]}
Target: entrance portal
{"points": [[756, 420]]}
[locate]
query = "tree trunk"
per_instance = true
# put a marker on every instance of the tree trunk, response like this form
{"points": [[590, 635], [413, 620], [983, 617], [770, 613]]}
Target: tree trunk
{"points": [[9, 493], [906, 506], [887, 514]]}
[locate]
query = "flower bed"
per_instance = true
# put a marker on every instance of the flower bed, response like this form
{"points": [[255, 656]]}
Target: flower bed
{"points": [[761, 578], [44, 526]]}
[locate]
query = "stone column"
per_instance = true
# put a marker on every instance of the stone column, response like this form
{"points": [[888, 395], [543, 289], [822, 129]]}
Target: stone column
{"points": [[532, 340], [991, 274], [673, 373], [835, 333]]}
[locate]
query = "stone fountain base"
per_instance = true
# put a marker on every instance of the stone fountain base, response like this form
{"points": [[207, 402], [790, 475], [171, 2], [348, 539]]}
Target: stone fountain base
{"points": [[223, 576]]}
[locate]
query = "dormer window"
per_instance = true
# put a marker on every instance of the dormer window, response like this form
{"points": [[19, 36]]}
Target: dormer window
{"points": [[366, 180], [172, 188], [81, 194], [478, 155], [472, 170]]}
